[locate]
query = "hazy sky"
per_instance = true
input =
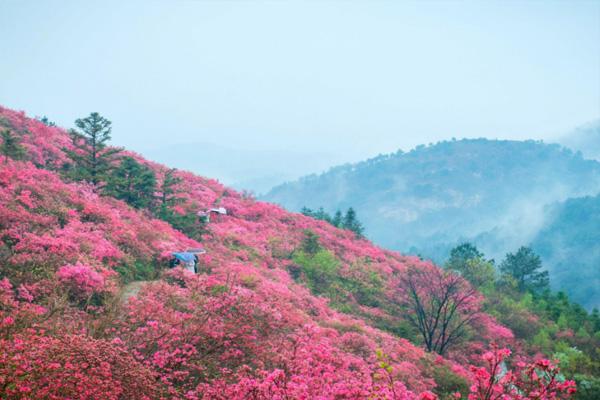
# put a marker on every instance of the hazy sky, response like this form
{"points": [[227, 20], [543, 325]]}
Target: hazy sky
{"points": [[345, 79]]}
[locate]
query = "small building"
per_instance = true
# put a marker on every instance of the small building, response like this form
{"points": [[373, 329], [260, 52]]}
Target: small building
{"points": [[204, 216]]}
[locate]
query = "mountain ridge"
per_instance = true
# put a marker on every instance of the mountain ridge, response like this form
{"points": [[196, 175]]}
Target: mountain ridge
{"points": [[434, 197]]}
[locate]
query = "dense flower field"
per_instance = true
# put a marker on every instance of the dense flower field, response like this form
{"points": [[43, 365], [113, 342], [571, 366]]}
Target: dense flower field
{"points": [[243, 328]]}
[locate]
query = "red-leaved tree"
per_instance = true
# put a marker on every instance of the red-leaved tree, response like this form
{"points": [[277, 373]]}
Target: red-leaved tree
{"points": [[439, 304]]}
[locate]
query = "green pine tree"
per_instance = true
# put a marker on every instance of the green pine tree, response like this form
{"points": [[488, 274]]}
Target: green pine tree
{"points": [[11, 146], [525, 267], [46, 121], [351, 223], [470, 263], [92, 158], [168, 193], [310, 243], [337, 219], [133, 183], [168, 198]]}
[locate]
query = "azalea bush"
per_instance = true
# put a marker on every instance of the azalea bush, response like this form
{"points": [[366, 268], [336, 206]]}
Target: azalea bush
{"points": [[538, 380], [89, 310]]}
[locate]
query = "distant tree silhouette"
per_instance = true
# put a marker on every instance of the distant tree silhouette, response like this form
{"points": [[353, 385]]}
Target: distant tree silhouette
{"points": [[351, 223]]}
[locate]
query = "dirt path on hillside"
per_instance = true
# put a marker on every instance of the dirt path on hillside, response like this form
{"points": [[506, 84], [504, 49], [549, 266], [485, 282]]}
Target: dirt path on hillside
{"points": [[131, 289]]}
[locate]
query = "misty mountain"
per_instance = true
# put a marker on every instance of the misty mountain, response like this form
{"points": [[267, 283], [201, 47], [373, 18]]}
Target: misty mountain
{"points": [[496, 193], [244, 169], [586, 139], [569, 244]]}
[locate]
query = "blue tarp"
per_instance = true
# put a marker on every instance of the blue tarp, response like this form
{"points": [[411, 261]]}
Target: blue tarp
{"points": [[185, 257]]}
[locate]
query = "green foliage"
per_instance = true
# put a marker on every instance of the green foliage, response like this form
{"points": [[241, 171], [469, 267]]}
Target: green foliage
{"points": [[351, 223], [320, 214], [310, 243], [469, 262], [347, 221], [164, 203], [319, 270], [138, 271], [545, 321], [426, 200], [168, 192], [187, 223], [133, 183], [588, 387], [366, 286], [448, 382], [217, 290], [461, 254], [92, 158], [11, 146], [46, 121], [524, 266], [337, 219]]}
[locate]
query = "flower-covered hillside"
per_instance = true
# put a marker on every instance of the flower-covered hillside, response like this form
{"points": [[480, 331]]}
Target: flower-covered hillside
{"points": [[283, 307]]}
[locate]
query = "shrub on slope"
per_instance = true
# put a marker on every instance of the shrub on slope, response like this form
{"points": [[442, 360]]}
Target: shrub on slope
{"points": [[244, 328]]}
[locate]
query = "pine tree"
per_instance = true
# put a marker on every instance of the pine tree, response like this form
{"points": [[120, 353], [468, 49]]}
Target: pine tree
{"points": [[310, 243], [46, 121], [11, 146], [524, 266], [92, 157], [461, 254], [351, 223], [470, 263], [133, 183], [337, 219], [168, 192]]}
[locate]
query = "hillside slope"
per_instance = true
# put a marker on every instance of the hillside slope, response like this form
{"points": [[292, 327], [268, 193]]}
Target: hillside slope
{"points": [[428, 200], [248, 326]]}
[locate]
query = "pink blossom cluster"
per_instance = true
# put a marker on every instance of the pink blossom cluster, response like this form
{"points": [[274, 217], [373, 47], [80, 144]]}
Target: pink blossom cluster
{"points": [[539, 380], [81, 279], [242, 328]]}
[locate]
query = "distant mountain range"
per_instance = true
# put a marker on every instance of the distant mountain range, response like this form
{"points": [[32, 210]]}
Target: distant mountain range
{"points": [[243, 169], [499, 194]]}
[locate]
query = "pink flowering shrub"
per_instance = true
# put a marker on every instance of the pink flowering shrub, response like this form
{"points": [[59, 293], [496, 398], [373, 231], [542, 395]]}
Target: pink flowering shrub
{"points": [[35, 366], [538, 380], [81, 280], [242, 329]]}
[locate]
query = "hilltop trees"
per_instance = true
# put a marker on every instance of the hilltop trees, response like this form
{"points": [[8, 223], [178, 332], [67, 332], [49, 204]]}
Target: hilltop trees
{"points": [[11, 146], [347, 221], [46, 121], [470, 263], [351, 222], [439, 304], [91, 156], [524, 266]]}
